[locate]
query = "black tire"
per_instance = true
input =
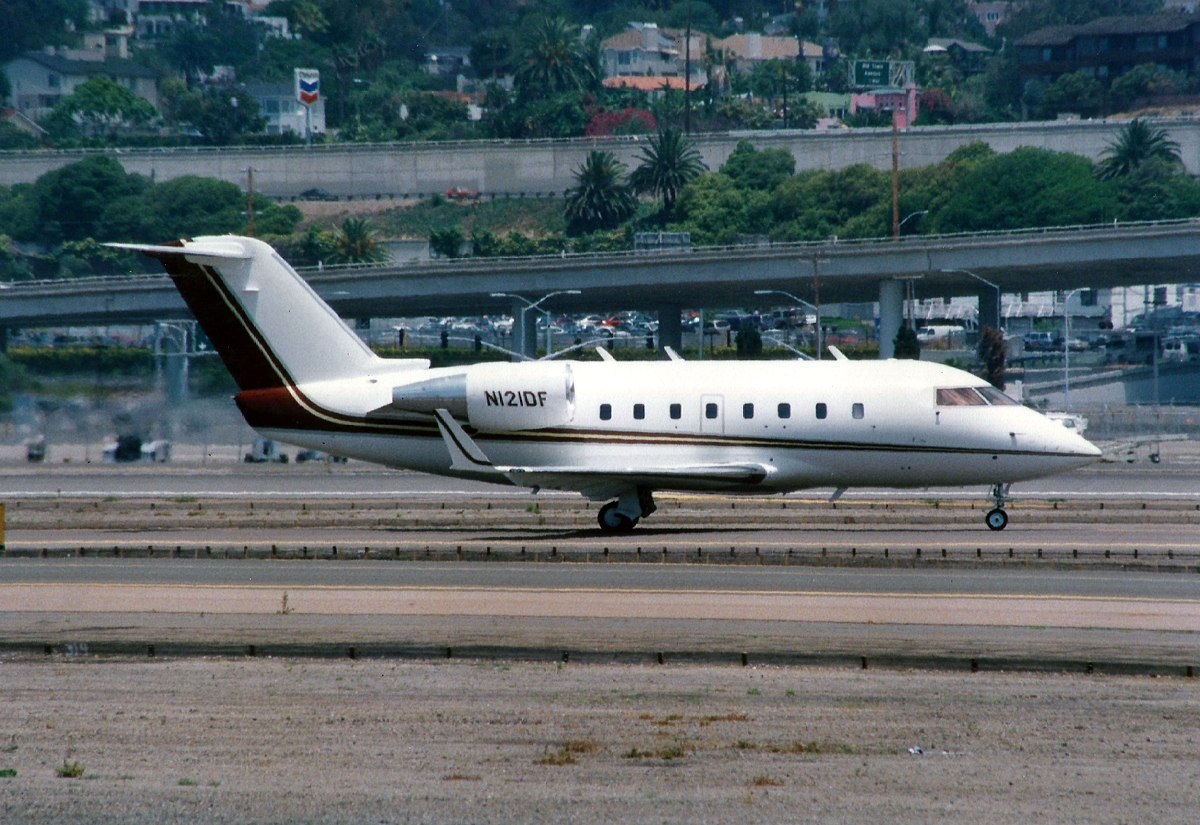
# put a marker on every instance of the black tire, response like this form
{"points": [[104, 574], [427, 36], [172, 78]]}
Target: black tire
{"points": [[996, 519], [612, 521]]}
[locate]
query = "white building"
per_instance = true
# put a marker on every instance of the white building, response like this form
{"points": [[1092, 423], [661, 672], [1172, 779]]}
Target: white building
{"points": [[277, 103], [645, 49], [40, 79]]}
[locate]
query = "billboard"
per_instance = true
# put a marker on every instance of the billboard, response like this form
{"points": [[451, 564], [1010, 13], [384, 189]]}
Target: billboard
{"points": [[871, 73], [308, 86]]}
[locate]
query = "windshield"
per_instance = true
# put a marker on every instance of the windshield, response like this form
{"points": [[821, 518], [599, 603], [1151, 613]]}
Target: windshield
{"points": [[973, 397]]}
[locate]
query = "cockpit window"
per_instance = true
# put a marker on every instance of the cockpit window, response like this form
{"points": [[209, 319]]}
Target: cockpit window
{"points": [[960, 397], [997, 398]]}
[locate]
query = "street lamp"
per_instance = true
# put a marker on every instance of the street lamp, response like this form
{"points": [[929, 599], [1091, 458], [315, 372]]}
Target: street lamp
{"points": [[913, 215], [535, 305], [1066, 345], [985, 281], [802, 302]]}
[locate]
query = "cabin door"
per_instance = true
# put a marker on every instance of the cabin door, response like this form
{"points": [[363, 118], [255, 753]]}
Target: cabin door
{"points": [[712, 414]]}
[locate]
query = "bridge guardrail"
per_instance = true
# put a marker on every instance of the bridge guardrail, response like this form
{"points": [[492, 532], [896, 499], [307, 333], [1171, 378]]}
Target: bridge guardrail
{"points": [[786, 246]]}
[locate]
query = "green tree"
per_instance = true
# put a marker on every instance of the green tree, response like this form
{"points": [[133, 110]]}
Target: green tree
{"points": [[219, 113], [224, 37], [1075, 92], [493, 53], [1027, 187], [67, 203], [600, 199], [876, 26], [906, 344], [715, 210], [552, 59], [668, 164], [1145, 80], [992, 352], [1136, 144], [28, 25], [749, 168], [101, 107], [446, 242], [356, 243]]}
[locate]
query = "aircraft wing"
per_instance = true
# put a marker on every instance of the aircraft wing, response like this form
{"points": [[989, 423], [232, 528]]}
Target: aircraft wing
{"points": [[594, 482]]}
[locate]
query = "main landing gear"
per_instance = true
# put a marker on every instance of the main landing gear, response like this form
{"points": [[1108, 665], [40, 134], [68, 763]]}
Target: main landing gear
{"points": [[622, 515], [997, 519]]}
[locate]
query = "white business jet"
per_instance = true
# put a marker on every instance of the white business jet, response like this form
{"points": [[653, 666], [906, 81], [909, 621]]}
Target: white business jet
{"points": [[607, 430]]}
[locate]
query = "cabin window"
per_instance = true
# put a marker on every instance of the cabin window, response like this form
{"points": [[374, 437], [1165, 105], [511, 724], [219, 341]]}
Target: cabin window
{"points": [[639, 411], [710, 411], [996, 398], [856, 410], [605, 412], [960, 397], [822, 411], [676, 411], [747, 411], [785, 410]]}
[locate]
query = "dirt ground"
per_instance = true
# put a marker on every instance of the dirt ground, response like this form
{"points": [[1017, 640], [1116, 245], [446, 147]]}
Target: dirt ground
{"points": [[297, 740]]}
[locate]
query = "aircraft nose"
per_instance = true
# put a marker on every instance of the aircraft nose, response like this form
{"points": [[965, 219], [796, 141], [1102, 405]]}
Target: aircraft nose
{"points": [[1062, 440]]}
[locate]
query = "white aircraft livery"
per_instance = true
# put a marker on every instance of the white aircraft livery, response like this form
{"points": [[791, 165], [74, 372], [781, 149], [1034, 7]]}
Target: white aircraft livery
{"points": [[612, 431]]}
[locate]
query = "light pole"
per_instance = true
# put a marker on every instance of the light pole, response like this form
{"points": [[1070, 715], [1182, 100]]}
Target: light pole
{"points": [[535, 305], [802, 302], [985, 281], [913, 215], [1067, 346]]}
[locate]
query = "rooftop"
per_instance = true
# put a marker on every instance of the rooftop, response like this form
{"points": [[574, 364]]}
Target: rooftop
{"points": [[1108, 26], [109, 67]]}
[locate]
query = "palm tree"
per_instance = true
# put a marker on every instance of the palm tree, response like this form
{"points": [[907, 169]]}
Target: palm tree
{"points": [[599, 200], [668, 164], [1136, 144], [552, 59], [356, 243]]}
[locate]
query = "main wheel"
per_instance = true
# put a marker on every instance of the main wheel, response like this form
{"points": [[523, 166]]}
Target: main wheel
{"points": [[613, 522], [996, 519]]}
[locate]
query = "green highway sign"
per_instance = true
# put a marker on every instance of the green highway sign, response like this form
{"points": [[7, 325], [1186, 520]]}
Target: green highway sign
{"points": [[871, 73]]}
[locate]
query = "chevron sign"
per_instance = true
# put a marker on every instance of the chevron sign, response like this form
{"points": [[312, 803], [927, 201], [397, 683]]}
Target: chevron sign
{"points": [[308, 86]]}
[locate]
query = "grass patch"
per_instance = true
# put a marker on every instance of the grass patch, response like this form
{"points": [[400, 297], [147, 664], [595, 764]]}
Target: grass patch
{"points": [[705, 721], [745, 745], [567, 753], [70, 770], [184, 499], [764, 781], [8, 773], [675, 750], [460, 777], [187, 782], [814, 748], [754, 692]]}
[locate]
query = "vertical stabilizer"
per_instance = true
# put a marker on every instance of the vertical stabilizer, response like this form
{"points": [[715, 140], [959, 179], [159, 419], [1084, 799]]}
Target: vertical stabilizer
{"points": [[268, 325]]}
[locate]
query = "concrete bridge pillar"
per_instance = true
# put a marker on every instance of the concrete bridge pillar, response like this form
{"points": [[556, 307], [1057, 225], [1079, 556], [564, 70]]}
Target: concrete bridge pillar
{"points": [[171, 345], [891, 315], [670, 327], [989, 309], [524, 330]]}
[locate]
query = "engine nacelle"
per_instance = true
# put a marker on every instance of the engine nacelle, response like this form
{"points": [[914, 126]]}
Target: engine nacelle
{"points": [[504, 397], [496, 397]]}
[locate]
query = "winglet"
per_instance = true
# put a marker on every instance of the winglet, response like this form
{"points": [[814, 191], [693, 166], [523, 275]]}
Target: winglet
{"points": [[464, 453]]}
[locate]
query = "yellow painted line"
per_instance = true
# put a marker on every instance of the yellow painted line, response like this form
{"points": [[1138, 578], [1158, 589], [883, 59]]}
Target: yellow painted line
{"points": [[854, 608]]}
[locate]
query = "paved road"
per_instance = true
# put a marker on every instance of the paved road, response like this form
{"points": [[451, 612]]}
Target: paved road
{"points": [[360, 480]]}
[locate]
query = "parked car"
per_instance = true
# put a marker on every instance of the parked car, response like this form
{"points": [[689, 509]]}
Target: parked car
{"points": [[1041, 342], [317, 194], [457, 193], [265, 451]]}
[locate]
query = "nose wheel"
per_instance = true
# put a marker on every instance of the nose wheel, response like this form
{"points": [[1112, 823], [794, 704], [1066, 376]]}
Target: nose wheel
{"points": [[997, 519], [613, 522]]}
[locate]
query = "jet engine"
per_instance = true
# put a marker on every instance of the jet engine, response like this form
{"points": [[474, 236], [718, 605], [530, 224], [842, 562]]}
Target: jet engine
{"points": [[497, 397]]}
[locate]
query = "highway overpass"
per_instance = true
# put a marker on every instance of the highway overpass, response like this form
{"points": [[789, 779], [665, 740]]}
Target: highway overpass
{"points": [[1110, 255], [545, 167]]}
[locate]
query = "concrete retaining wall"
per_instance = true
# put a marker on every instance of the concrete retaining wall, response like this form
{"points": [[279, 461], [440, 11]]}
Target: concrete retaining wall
{"points": [[546, 167]]}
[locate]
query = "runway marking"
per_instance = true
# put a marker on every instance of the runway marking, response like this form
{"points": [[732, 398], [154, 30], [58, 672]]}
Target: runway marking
{"points": [[1180, 615]]}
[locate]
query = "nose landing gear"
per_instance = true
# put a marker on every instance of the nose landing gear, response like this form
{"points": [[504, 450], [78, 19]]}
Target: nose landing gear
{"points": [[997, 519], [622, 515]]}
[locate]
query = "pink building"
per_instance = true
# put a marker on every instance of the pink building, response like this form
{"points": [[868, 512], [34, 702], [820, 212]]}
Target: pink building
{"points": [[901, 101]]}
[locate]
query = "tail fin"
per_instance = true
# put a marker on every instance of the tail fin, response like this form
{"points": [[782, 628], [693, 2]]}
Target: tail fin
{"points": [[268, 325]]}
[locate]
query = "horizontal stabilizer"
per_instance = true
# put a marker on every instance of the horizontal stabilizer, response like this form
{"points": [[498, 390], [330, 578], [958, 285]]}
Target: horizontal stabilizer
{"points": [[209, 251]]}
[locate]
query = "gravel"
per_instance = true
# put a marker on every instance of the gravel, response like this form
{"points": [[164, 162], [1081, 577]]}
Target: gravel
{"points": [[304, 740]]}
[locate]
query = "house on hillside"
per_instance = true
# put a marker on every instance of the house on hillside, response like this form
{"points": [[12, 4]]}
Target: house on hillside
{"points": [[742, 52], [277, 103], [40, 79], [970, 58], [645, 49], [1110, 46]]}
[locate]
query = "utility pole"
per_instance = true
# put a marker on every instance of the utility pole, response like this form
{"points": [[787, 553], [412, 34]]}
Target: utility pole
{"points": [[250, 201], [687, 74], [895, 175], [783, 76]]}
